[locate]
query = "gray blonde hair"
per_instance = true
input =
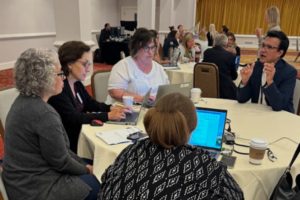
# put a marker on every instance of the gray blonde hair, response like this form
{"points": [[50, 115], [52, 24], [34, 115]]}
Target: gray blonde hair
{"points": [[221, 40], [212, 31], [273, 16], [34, 72]]}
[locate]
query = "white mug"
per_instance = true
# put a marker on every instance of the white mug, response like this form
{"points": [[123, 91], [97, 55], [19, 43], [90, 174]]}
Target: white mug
{"points": [[128, 100], [195, 95]]}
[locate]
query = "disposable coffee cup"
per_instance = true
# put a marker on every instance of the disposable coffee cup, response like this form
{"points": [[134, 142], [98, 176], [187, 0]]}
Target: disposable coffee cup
{"points": [[195, 95], [257, 150], [128, 100]]}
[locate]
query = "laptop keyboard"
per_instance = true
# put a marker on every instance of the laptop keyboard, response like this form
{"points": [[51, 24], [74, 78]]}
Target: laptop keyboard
{"points": [[130, 117]]}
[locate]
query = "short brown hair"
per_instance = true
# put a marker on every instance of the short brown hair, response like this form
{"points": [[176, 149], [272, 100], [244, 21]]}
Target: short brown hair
{"points": [[140, 38], [70, 52], [171, 121]]}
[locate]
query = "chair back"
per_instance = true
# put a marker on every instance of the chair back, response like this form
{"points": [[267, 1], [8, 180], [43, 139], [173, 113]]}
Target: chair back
{"points": [[206, 77], [7, 97], [100, 85], [122, 55], [296, 100], [2, 187], [98, 37]]}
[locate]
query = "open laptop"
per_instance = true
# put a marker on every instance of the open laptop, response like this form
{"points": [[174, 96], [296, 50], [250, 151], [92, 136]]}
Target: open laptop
{"points": [[209, 131], [134, 117], [173, 64], [182, 88]]}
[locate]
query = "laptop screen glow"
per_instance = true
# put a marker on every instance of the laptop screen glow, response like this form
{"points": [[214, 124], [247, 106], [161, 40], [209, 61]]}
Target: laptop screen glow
{"points": [[210, 128]]}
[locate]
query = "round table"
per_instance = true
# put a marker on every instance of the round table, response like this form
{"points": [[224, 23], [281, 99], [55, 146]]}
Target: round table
{"points": [[186, 74], [248, 121]]}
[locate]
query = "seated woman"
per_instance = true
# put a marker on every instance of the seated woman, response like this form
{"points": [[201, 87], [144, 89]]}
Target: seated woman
{"points": [[159, 55], [202, 40], [187, 48], [136, 74], [232, 46], [38, 161], [74, 104], [164, 165], [171, 39]]}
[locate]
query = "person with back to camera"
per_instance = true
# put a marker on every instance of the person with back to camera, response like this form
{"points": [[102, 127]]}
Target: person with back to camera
{"points": [[159, 50], [74, 104], [38, 161], [211, 34], [224, 29], [272, 18], [170, 41], [187, 48], [136, 74], [164, 166], [271, 80]]}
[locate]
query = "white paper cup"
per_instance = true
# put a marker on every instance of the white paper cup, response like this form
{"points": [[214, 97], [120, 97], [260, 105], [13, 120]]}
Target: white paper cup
{"points": [[128, 100], [195, 95], [257, 150]]}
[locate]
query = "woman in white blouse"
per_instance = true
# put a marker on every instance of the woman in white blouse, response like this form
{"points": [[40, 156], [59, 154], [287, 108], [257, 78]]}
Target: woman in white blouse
{"points": [[187, 48], [136, 74]]}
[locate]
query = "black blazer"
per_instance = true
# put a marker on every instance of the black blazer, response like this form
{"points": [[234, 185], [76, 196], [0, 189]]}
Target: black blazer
{"points": [[72, 119], [225, 61]]}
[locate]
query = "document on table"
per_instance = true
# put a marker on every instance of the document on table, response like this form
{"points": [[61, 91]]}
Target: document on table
{"points": [[117, 136]]}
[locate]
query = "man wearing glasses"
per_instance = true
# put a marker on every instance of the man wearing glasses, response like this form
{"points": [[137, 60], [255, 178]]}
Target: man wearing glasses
{"points": [[271, 80]]}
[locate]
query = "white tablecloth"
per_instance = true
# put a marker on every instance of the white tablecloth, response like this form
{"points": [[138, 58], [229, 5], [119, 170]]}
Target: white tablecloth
{"points": [[248, 121], [186, 74]]}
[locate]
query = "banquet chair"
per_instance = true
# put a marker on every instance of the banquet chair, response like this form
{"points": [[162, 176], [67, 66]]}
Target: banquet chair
{"points": [[297, 48], [100, 85], [206, 77], [122, 55], [296, 100], [7, 97], [2, 187]]}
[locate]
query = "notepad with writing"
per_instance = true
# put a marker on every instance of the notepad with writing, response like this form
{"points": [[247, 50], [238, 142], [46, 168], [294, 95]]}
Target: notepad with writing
{"points": [[117, 136]]}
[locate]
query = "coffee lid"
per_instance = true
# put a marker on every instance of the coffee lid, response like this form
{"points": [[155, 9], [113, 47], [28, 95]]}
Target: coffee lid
{"points": [[258, 142]]}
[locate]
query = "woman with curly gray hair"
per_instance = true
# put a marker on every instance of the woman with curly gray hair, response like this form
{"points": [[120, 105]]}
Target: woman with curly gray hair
{"points": [[38, 161]]}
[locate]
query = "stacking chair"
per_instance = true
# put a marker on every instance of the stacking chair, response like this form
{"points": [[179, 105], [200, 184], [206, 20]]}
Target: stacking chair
{"points": [[99, 85], [7, 97], [297, 48], [296, 101], [122, 55], [2, 187], [206, 77]]}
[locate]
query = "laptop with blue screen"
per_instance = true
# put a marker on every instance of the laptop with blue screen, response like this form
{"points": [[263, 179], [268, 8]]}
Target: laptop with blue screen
{"points": [[209, 131]]}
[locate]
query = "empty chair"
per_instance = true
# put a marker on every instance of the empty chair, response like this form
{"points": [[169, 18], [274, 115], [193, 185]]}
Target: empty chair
{"points": [[296, 100], [206, 77], [122, 55], [2, 187], [99, 85], [297, 48]]}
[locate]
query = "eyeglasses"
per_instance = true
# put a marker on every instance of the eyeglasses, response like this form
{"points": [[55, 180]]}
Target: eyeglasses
{"points": [[147, 48], [61, 74], [268, 47], [86, 64]]}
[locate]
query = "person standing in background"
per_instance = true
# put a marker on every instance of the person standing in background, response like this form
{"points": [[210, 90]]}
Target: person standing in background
{"points": [[211, 34], [272, 18]]}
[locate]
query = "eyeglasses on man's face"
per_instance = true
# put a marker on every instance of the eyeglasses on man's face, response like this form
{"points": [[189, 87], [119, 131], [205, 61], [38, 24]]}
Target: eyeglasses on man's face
{"points": [[61, 74], [86, 64], [147, 48], [267, 47]]}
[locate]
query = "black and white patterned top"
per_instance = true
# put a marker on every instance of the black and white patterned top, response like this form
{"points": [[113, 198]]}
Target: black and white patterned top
{"points": [[146, 171]]}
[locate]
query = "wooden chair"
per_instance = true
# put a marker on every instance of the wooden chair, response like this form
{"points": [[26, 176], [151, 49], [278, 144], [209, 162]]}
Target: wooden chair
{"points": [[206, 77], [297, 48], [296, 100], [100, 84]]}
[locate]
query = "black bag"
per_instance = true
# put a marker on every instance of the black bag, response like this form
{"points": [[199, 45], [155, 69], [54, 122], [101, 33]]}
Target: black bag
{"points": [[97, 56], [284, 190]]}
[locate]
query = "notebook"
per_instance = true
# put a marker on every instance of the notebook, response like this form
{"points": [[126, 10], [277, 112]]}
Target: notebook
{"points": [[134, 117], [173, 64], [182, 88], [209, 131]]}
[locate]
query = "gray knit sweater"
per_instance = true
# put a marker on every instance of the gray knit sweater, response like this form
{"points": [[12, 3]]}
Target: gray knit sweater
{"points": [[38, 163]]}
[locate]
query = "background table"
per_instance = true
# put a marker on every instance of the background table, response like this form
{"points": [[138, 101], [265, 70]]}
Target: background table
{"points": [[186, 74], [110, 51], [248, 121]]}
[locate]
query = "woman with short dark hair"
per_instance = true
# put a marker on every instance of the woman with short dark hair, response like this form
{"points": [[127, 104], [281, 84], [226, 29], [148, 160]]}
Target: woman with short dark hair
{"points": [[74, 104], [38, 161], [164, 166], [137, 73]]}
